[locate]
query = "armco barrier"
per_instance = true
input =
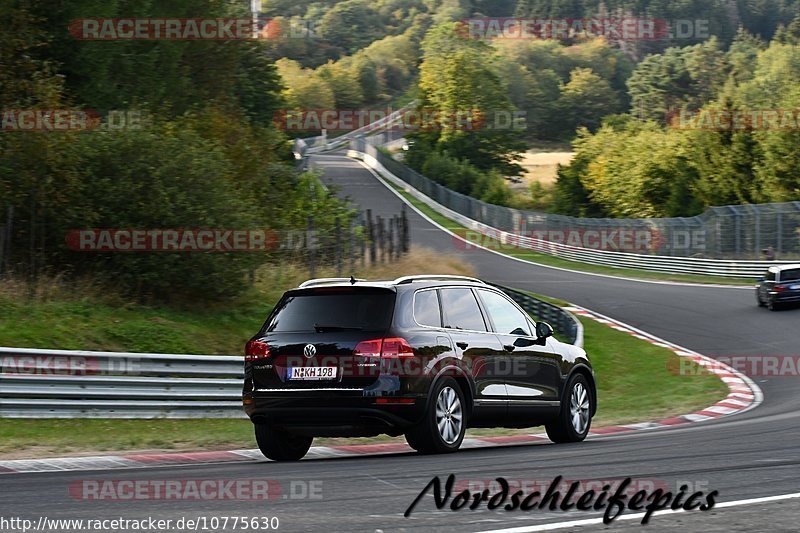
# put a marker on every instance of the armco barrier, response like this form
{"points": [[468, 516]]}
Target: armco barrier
{"points": [[38, 383], [84, 384], [314, 145], [397, 173]]}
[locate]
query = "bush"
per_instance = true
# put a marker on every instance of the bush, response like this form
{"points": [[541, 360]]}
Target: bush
{"points": [[462, 177], [168, 177]]}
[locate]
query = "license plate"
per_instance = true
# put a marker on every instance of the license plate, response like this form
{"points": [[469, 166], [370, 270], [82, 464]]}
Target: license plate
{"points": [[312, 372]]}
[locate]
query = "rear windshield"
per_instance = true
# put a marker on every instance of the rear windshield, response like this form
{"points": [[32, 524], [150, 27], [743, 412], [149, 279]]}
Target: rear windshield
{"points": [[790, 275], [331, 310]]}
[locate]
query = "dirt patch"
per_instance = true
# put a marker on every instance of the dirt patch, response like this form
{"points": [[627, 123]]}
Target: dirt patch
{"points": [[543, 166]]}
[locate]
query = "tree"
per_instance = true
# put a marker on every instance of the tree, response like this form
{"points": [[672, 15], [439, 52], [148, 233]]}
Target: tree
{"points": [[457, 78], [742, 55], [629, 169], [350, 25], [345, 86], [304, 88], [585, 100], [680, 78]]}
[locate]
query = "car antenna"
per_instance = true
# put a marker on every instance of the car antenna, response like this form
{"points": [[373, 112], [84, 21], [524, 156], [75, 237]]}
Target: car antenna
{"points": [[352, 280]]}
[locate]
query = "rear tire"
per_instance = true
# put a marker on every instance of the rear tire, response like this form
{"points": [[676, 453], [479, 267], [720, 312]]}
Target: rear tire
{"points": [[760, 301], [445, 421], [280, 445], [772, 306], [575, 417]]}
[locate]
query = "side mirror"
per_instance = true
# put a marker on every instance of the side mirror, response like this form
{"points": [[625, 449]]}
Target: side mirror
{"points": [[543, 330]]}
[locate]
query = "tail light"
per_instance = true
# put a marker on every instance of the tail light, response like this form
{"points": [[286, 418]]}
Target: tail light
{"points": [[255, 350], [396, 347], [392, 347], [779, 288]]}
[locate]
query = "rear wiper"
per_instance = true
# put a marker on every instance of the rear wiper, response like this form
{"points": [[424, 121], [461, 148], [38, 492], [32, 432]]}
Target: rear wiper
{"points": [[320, 328]]}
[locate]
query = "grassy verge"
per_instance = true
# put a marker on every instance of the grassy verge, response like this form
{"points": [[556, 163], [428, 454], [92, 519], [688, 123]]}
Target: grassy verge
{"points": [[633, 381], [84, 317], [550, 260]]}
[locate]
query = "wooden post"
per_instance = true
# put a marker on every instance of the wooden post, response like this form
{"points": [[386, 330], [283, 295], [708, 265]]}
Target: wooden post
{"points": [[371, 235]]}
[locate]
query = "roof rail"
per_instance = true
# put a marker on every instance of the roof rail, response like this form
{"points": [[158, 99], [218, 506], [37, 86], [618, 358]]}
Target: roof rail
{"points": [[433, 277], [323, 281]]}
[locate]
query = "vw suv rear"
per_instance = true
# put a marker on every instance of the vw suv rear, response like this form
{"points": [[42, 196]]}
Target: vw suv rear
{"points": [[424, 356]]}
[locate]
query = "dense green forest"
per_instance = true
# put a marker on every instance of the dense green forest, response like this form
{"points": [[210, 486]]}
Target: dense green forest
{"points": [[611, 99], [210, 155], [206, 157]]}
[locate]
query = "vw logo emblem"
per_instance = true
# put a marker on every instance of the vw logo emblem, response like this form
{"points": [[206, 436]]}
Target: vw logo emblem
{"points": [[310, 350]]}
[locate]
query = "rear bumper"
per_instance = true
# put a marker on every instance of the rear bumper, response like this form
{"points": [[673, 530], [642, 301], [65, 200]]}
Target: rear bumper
{"points": [[334, 413], [784, 297]]}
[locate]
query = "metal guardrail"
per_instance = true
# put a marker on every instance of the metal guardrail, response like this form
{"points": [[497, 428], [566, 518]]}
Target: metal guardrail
{"points": [[86, 384], [321, 143], [399, 174]]}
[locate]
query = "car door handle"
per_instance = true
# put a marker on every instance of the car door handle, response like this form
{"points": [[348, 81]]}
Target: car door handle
{"points": [[462, 345], [509, 347]]}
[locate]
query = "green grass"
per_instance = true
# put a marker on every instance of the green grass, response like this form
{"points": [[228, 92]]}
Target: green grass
{"points": [[634, 385], [80, 315], [550, 260], [89, 325], [51, 437]]}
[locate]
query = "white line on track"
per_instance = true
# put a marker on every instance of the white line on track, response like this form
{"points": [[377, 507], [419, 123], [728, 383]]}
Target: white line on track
{"points": [[599, 521]]}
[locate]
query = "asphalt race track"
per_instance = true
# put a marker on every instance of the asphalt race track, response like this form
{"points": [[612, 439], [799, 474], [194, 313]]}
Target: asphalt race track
{"points": [[747, 456]]}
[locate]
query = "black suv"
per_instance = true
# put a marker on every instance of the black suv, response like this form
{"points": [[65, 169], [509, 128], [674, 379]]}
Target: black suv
{"points": [[424, 356], [780, 285]]}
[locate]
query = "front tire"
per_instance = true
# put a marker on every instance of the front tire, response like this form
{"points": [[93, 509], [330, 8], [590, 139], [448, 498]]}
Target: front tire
{"points": [[445, 421], [279, 445], [575, 417]]}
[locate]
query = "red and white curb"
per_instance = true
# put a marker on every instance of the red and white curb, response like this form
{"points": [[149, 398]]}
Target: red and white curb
{"points": [[743, 395]]}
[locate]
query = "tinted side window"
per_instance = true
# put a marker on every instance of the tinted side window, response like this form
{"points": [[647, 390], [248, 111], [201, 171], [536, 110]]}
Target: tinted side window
{"points": [[426, 309], [770, 276], [322, 309], [461, 310], [506, 317]]}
